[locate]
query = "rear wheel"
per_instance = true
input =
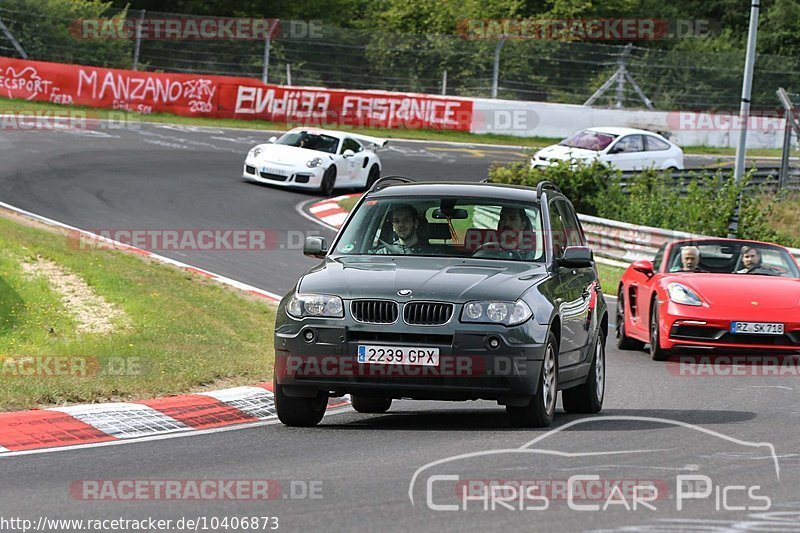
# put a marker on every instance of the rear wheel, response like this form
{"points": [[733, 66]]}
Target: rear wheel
{"points": [[623, 341], [656, 351], [374, 175], [328, 181], [588, 398], [366, 404], [299, 412], [542, 405]]}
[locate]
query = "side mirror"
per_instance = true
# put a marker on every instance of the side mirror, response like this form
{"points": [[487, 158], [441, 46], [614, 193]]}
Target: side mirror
{"points": [[273, 139], [577, 257], [645, 266], [315, 247], [348, 153]]}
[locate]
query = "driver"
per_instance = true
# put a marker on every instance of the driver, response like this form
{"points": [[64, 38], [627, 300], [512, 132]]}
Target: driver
{"points": [[405, 223], [751, 261]]}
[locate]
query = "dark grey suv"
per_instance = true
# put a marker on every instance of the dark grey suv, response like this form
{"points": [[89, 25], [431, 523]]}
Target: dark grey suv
{"points": [[446, 291]]}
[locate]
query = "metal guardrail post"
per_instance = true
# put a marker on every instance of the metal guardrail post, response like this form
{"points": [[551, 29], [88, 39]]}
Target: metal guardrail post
{"points": [[137, 47], [496, 66], [12, 39]]}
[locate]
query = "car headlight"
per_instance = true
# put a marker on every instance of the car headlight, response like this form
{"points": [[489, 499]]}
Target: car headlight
{"points": [[255, 152], [681, 294], [492, 312], [322, 305], [314, 163]]}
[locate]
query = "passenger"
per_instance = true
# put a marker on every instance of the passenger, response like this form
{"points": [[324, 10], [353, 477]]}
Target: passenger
{"points": [[510, 227], [405, 223], [751, 261], [690, 259]]}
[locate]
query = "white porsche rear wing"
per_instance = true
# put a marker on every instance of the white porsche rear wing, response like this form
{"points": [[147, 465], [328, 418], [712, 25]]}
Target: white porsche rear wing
{"points": [[375, 141]]}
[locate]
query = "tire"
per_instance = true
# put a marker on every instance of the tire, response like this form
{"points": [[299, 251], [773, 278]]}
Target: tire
{"points": [[299, 412], [328, 181], [367, 404], [374, 175], [542, 406], [656, 351], [588, 398], [623, 341]]}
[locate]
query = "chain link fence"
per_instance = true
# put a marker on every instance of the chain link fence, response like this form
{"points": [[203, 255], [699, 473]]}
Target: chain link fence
{"points": [[332, 57]]}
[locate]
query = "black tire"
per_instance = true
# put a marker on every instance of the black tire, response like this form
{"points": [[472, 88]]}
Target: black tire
{"points": [[367, 404], [542, 406], [588, 398], [374, 175], [623, 341], [328, 181], [656, 351], [299, 412]]}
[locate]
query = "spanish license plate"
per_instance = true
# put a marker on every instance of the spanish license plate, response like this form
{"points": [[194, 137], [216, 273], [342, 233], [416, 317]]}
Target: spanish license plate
{"points": [[757, 328], [403, 355]]}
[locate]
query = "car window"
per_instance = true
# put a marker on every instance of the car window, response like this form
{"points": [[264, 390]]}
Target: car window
{"points": [[310, 141], [574, 232], [725, 257], [659, 258], [480, 228], [350, 144], [629, 144], [654, 144], [589, 140], [558, 231]]}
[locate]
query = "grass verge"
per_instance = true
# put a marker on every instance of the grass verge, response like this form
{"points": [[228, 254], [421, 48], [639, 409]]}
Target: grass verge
{"points": [[181, 332], [24, 106]]}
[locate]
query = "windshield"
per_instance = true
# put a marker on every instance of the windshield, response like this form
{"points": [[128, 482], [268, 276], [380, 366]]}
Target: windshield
{"points": [[589, 140], [310, 141], [445, 227], [726, 257]]}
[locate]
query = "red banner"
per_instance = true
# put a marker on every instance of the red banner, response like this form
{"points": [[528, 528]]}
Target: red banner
{"points": [[197, 95]]}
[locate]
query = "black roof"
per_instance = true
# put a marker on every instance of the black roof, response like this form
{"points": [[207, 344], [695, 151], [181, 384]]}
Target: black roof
{"points": [[499, 191]]}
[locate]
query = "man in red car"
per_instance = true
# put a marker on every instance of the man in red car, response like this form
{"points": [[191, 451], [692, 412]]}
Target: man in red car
{"points": [[751, 261], [690, 259]]}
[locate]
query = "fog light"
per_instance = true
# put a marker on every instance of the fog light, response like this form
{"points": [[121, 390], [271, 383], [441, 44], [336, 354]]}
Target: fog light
{"points": [[493, 343], [308, 335]]}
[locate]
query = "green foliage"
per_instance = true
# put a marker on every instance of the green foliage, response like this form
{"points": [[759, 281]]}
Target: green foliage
{"points": [[702, 203], [43, 29]]}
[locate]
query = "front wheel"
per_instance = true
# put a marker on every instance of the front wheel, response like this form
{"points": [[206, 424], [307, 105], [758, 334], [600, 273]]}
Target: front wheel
{"points": [[588, 398], [328, 181], [656, 351], [542, 406], [366, 404], [299, 412]]}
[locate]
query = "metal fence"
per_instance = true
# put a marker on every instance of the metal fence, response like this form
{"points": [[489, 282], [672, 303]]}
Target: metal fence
{"points": [[333, 57], [762, 180]]}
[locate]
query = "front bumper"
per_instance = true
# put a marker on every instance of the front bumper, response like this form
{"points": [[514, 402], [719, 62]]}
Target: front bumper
{"points": [[468, 368], [685, 326], [307, 178]]}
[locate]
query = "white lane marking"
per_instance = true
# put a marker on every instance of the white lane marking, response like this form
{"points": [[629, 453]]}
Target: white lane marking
{"points": [[323, 207], [255, 401], [337, 219], [3, 450], [123, 420], [222, 279], [165, 436]]}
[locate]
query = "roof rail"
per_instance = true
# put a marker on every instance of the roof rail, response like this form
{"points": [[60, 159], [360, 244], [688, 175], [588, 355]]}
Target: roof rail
{"points": [[486, 180], [546, 185], [379, 181]]}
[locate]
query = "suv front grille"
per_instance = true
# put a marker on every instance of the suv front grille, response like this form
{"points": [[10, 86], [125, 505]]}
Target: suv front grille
{"points": [[374, 311], [427, 313]]}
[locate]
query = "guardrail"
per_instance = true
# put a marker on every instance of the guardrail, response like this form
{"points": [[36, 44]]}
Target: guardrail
{"points": [[767, 179], [620, 244]]}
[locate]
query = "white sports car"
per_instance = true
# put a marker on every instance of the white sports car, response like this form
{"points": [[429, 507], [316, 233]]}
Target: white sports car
{"points": [[313, 158], [622, 148]]}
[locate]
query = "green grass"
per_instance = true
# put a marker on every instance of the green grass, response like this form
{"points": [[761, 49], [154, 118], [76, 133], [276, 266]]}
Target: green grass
{"points": [[24, 106], [182, 332], [610, 277]]}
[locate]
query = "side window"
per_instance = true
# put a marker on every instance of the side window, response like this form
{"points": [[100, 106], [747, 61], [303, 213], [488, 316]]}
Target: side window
{"points": [[557, 231], [574, 232], [350, 144], [628, 144], [659, 258], [654, 144]]}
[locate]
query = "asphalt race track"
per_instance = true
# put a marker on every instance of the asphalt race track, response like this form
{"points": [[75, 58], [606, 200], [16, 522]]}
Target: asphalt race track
{"points": [[736, 436]]}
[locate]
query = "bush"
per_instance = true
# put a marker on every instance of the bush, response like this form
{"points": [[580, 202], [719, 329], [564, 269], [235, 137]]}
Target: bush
{"points": [[701, 203]]}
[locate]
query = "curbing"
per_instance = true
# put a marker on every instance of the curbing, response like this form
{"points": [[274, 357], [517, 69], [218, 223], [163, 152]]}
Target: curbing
{"points": [[40, 429]]}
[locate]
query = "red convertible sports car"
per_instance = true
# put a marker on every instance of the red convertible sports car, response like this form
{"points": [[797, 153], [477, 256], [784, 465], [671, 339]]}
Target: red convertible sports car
{"points": [[711, 294]]}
